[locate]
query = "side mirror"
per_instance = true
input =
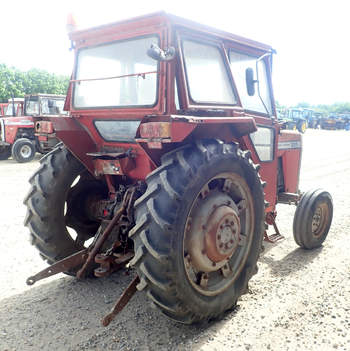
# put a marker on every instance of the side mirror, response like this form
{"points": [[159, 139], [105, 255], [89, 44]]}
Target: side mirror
{"points": [[156, 53], [250, 82]]}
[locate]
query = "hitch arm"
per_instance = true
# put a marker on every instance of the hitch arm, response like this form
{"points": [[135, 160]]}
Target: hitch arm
{"points": [[64, 265], [122, 302]]}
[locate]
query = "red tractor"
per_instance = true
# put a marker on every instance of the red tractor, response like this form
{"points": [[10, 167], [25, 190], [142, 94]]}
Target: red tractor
{"points": [[172, 162], [23, 135]]}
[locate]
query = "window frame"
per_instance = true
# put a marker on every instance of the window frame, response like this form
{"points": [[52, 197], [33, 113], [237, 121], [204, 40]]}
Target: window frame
{"points": [[189, 102], [256, 54], [131, 38], [272, 144]]}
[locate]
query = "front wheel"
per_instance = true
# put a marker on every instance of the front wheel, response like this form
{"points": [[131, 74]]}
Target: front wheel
{"points": [[198, 230], [313, 218], [23, 150]]}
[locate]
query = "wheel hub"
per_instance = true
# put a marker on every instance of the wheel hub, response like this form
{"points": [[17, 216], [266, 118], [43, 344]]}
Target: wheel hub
{"points": [[25, 151], [213, 232], [222, 236]]}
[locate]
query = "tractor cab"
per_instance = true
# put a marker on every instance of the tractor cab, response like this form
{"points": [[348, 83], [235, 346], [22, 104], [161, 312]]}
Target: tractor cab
{"points": [[14, 107], [40, 107], [44, 105]]}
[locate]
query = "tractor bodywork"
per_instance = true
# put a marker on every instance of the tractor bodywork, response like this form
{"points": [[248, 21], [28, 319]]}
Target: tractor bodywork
{"points": [[175, 118], [172, 160]]}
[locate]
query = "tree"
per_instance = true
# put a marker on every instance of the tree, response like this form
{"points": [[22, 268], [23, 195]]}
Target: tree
{"points": [[18, 83]]}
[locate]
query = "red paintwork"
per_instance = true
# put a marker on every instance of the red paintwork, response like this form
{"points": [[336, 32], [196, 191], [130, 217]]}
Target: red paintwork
{"points": [[12, 124], [291, 159], [3, 109], [44, 127], [228, 123]]}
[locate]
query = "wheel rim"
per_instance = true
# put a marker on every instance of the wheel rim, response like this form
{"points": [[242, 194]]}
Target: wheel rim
{"points": [[320, 219], [25, 151], [218, 234]]}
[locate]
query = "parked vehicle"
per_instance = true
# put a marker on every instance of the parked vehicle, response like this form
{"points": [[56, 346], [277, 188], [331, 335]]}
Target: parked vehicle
{"points": [[172, 161], [18, 135], [331, 122], [296, 119], [316, 120]]}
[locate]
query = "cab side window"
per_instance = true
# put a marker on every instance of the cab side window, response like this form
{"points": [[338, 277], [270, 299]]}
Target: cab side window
{"points": [[207, 77], [239, 64]]}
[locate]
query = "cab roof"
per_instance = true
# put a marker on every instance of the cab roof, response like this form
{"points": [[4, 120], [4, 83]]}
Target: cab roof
{"points": [[162, 18]]}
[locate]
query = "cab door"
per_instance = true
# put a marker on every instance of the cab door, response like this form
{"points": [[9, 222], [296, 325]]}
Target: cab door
{"points": [[257, 100]]}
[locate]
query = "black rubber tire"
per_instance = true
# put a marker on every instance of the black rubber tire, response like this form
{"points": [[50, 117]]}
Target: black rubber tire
{"points": [[302, 126], [50, 188], [303, 217], [291, 126], [18, 147], [5, 153], [161, 214]]}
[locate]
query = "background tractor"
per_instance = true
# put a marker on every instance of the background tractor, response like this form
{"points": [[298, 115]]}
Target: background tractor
{"points": [[23, 135], [172, 161], [297, 119]]}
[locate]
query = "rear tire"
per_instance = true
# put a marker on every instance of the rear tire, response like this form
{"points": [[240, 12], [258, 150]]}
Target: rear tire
{"points": [[313, 218], [23, 150], [53, 192], [164, 215], [302, 126], [5, 153]]}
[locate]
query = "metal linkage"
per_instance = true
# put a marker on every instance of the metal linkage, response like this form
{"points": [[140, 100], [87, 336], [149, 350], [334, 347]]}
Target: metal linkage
{"points": [[273, 238], [96, 247], [111, 263], [121, 302], [64, 265]]}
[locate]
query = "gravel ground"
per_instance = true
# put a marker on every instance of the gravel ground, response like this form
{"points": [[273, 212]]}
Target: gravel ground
{"points": [[299, 300]]}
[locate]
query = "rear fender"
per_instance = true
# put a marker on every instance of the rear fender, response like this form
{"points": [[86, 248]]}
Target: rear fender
{"points": [[158, 137], [76, 138]]}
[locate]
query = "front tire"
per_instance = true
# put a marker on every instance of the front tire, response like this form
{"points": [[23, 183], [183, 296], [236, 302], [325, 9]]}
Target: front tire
{"points": [[23, 150], [313, 218], [209, 188]]}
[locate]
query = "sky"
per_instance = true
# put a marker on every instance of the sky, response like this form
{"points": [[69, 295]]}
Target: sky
{"points": [[312, 38]]}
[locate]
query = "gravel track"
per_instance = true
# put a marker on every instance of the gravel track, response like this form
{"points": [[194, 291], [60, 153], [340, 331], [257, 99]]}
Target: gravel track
{"points": [[299, 300]]}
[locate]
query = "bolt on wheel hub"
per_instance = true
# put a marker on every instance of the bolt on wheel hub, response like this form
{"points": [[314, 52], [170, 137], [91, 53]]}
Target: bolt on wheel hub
{"points": [[222, 236]]}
